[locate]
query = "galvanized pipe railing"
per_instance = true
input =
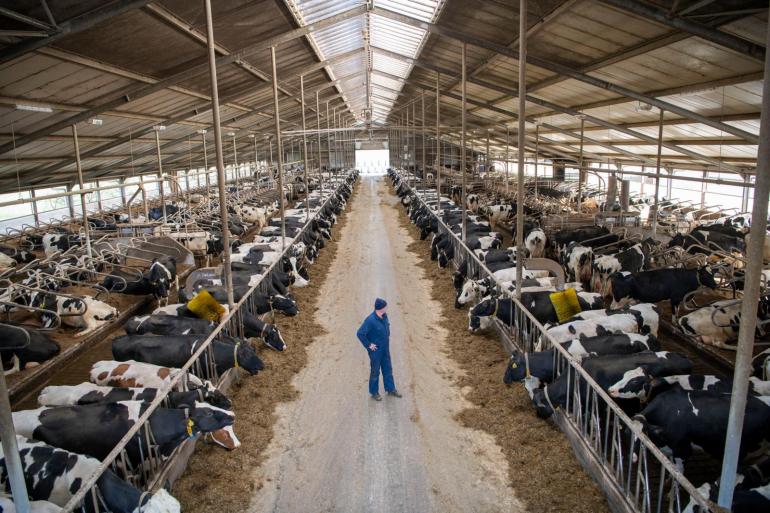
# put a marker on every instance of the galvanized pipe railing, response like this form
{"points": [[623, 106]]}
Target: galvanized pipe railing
{"points": [[152, 464], [616, 442]]}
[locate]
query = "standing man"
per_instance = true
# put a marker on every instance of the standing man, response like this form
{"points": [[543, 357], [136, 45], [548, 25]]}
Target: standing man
{"points": [[374, 334]]}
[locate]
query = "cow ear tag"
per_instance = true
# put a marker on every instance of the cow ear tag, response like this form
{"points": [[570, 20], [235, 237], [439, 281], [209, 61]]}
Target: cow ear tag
{"points": [[190, 425], [513, 365]]}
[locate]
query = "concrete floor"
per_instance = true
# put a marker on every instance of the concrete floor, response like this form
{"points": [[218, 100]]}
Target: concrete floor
{"points": [[336, 450]]}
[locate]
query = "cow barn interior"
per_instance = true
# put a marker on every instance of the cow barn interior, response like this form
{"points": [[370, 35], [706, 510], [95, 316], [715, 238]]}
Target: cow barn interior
{"points": [[542, 224]]}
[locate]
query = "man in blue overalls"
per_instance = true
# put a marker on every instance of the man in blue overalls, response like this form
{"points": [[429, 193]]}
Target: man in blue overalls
{"points": [[374, 334]]}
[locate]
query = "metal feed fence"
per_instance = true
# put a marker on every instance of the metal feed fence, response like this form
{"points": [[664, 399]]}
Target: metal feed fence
{"points": [[147, 473], [635, 473]]}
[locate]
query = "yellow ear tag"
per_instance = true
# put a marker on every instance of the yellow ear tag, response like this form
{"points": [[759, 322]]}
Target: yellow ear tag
{"points": [[513, 365], [190, 425]]}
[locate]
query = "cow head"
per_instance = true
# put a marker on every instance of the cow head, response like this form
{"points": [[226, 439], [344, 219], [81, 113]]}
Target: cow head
{"points": [[48, 302], [470, 291], [516, 369], [272, 338], [481, 316], [206, 418], [207, 393], [247, 359], [283, 304], [706, 278], [620, 289], [160, 279], [224, 437], [633, 385]]}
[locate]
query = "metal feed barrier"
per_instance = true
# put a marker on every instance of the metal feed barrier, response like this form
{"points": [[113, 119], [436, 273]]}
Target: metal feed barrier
{"points": [[633, 472], [148, 474]]}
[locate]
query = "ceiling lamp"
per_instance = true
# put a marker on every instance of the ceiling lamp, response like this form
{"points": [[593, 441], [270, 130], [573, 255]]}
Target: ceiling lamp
{"points": [[33, 108]]}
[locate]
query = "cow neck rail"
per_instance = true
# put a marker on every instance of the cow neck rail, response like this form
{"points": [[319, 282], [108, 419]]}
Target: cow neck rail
{"points": [[231, 324], [614, 441]]}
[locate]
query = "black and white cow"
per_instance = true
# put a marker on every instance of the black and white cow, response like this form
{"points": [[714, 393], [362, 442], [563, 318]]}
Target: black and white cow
{"points": [[21, 256], [718, 323], [22, 348], [156, 280], [678, 420], [7, 505], [642, 318], [541, 307], [541, 363], [59, 242], [630, 260], [175, 351], [56, 475], [578, 262], [168, 325], [607, 370], [659, 285], [747, 498], [656, 386], [81, 312], [535, 242], [95, 429]]}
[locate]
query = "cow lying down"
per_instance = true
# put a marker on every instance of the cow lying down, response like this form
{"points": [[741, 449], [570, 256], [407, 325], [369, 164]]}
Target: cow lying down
{"points": [[56, 475], [8, 506], [82, 312], [718, 323], [95, 429], [22, 348]]}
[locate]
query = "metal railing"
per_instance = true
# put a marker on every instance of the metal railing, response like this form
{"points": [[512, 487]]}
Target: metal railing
{"points": [[642, 476], [144, 474]]}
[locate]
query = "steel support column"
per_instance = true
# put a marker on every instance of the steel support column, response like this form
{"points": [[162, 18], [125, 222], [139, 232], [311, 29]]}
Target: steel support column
{"points": [[220, 155], [84, 210], [438, 140], [462, 143], [656, 201], [754, 255], [160, 175], [521, 144], [279, 148]]}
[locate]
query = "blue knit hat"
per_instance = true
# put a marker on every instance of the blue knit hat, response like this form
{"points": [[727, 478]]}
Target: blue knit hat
{"points": [[380, 303]]}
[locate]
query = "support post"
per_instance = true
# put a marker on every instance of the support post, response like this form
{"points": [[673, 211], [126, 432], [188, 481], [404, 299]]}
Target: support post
{"points": [[318, 123], [580, 166], [754, 255], [279, 148], [220, 155], [537, 153], [438, 140], [304, 145], [507, 154], [11, 451], [462, 143], [206, 163], [235, 164], [36, 214], [522, 141], [656, 201], [422, 137], [84, 210], [160, 175]]}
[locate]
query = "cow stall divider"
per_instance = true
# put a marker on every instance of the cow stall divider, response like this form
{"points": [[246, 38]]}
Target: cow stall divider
{"points": [[635, 475], [153, 470]]}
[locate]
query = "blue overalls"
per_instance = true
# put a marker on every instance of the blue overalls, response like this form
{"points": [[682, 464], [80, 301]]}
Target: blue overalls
{"points": [[376, 330]]}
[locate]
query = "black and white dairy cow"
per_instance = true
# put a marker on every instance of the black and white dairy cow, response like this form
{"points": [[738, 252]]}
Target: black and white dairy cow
{"points": [[168, 325], [7, 505], [535, 242], [89, 393], [21, 256], [578, 262], [630, 260], [679, 420], [81, 312], [708, 382], [55, 475], [718, 323], [642, 318], [136, 374], [749, 496], [95, 429], [175, 351], [22, 348], [56, 242], [541, 363], [156, 280], [607, 370], [659, 285]]}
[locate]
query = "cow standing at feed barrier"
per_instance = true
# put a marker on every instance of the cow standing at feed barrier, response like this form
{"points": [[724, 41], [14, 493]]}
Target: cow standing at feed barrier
{"points": [[96, 429], [55, 475]]}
